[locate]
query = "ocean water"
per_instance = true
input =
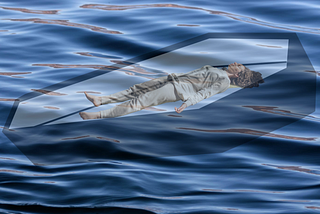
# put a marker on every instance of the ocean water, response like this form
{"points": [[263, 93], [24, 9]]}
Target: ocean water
{"points": [[238, 153]]}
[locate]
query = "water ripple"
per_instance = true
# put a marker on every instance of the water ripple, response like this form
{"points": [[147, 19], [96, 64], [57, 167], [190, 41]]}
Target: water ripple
{"points": [[236, 17], [273, 173], [66, 23]]}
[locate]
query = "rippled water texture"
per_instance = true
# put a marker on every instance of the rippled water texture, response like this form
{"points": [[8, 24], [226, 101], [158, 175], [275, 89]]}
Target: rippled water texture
{"points": [[158, 161]]}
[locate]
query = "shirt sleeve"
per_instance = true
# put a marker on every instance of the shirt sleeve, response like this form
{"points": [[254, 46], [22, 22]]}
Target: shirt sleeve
{"points": [[204, 94]]}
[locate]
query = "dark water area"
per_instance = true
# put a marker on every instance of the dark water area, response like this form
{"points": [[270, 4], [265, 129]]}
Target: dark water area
{"points": [[253, 151]]}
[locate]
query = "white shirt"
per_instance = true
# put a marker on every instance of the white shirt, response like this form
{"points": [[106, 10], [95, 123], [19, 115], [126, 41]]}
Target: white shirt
{"points": [[199, 84]]}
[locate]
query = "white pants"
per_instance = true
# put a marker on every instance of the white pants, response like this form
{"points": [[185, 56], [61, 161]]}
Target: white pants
{"points": [[143, 95]]}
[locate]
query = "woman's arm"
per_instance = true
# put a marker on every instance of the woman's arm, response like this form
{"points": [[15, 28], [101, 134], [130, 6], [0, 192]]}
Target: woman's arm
{"points": [[204, 94], [181, 108]]}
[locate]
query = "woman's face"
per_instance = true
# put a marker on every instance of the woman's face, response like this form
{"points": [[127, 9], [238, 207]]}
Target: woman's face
{"points": [[235, 68]]}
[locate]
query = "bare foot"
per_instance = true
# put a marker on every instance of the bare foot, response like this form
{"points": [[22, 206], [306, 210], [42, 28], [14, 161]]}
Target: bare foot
{"points": [[96, 100], [89, 115]]}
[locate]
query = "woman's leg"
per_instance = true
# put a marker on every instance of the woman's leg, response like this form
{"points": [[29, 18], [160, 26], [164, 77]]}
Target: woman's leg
{"points": [[159, 96], [134, 91]]}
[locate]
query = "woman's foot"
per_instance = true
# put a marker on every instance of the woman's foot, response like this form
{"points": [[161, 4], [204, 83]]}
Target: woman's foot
{"points": [[94, 99], [89, 115]]}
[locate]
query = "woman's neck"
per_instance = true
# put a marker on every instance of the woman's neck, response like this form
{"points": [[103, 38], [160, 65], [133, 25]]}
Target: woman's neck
{"points": [[229, 74]]}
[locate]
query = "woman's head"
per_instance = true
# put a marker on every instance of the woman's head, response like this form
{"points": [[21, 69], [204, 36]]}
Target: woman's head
{"points": [[243, 76], [234, 69]]}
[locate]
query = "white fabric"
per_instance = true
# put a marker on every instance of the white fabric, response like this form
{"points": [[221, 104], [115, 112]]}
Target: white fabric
{"points": [[199, 84], [191, 87]]}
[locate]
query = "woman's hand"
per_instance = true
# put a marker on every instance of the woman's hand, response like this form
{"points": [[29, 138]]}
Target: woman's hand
{"points": [[181, 108]]}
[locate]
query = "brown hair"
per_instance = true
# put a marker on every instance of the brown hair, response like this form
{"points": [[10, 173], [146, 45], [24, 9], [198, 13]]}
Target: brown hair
{"points": [[247, 79]]}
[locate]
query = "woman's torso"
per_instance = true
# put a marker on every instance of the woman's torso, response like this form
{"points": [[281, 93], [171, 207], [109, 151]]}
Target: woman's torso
{"points": [[186, 84]]}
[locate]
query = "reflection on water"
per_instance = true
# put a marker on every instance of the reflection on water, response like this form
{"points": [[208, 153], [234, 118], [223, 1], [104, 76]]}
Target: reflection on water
{"points": [[51, 107], [269, 46], [233, 16], [67, 23], [188, 25], [268, 174], [8, 99], [98, 55], [274, 110], [294, 200], [47, 92], [316, 72], [24, 10], [313, 207], [6, 158], [13, 74], [87, 136], [7, 128], [241, 190], [251, 132], [296, 168]]}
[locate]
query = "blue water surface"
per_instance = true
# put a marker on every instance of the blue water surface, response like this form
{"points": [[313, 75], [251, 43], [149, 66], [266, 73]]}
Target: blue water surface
{"points": [[46, 42]]}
